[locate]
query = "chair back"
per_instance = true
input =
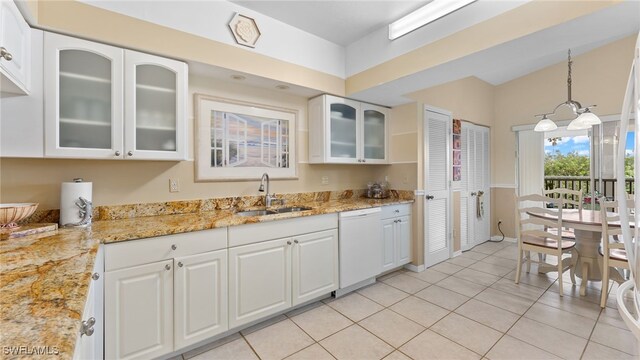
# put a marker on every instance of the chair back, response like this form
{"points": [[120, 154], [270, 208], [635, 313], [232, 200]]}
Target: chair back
{"points": [[569, 196], [610, 217], [527, 224]]}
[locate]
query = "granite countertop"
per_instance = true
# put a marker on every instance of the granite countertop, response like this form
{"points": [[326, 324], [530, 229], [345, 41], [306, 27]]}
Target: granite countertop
{"points": [[44, 279]]}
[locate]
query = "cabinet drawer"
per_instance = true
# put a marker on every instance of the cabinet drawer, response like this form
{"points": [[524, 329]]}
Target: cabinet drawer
{"points": [[137, 252], [395, 210], [254, 233]]}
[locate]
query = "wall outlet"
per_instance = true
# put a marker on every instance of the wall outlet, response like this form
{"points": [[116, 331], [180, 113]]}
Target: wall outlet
{"points": [[324, 180], [174, 185]]}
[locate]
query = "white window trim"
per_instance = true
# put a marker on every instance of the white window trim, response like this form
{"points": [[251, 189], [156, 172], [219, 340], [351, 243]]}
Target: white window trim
{"points": [[205, 104]]}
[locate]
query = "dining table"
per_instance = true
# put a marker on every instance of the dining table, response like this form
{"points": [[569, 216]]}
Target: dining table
{"points": [[587, 227]]}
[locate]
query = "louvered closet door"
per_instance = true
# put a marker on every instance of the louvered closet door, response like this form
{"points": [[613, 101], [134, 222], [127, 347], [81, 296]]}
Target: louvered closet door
{"points": [[465, 200], [486, 183], [478, 184], [437, 132], [471, 186]]}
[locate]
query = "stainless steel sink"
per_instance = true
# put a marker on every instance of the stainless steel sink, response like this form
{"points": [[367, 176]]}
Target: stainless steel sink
{"points": [[292, 209], [256, 212]]}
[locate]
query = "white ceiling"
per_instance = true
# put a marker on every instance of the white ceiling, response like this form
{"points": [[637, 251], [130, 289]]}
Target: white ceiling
{"points": [[339, 21]]}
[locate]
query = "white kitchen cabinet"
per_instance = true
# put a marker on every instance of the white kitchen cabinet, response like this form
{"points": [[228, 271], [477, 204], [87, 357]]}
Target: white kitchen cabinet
{"points": [[396, 236], [15, 50], [104, 102], [200, 297], [90, 342], [343, 131], [259, 280], [314, 265], [22, 125], [155, 90], [139, 311]]}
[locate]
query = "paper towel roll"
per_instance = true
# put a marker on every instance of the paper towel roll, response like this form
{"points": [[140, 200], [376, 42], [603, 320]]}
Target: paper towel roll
{"points": [[70, 193]]}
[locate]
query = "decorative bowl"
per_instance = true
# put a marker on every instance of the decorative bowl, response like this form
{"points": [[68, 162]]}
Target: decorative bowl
{"points": [[10, 214]]}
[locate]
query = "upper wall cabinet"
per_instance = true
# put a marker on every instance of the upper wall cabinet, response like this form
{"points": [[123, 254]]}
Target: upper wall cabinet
{"points": [[15, 50], [343, 131], [108, 103]]}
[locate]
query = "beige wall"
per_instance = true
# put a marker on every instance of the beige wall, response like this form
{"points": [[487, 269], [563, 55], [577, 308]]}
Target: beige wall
{"points": [[125, 182], [78, 19]]}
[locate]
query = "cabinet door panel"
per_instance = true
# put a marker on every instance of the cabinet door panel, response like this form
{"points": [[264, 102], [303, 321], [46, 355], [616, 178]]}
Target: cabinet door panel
{"points": [[15, 37], [403, 240], [83, 98], [374, 133], [259, 280], [343, 127], [315, 265], [139, 311], [155, 113], [200, 297], [388, 244]]}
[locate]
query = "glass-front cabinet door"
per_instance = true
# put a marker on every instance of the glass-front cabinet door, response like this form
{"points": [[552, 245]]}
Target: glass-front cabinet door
{"points": [[83, 98], [343, 125], [374, 134], [155, 111]]}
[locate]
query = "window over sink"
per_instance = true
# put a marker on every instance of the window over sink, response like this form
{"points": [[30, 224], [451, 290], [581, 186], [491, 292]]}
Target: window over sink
{"points": [[241, 141]]}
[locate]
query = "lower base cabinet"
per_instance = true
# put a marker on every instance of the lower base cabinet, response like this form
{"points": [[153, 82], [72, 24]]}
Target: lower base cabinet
{"points": [[139, 311], [396, 237], [200, 297], [271, 276]]}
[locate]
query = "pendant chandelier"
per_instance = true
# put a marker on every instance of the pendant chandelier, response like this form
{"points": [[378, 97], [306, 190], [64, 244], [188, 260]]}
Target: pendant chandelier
{"points": [[584, 117]]}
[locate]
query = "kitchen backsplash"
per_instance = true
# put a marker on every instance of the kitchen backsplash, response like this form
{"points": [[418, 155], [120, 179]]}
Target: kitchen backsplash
{"points": [[115, 212]]}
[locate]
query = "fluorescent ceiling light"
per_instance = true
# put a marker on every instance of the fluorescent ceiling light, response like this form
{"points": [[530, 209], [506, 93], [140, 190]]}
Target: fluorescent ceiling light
{"points": [[426, 14]]}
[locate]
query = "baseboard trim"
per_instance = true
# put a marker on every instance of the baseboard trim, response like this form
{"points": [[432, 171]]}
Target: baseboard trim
{"points": [[507, 239], [456, 253], [415, 268]]}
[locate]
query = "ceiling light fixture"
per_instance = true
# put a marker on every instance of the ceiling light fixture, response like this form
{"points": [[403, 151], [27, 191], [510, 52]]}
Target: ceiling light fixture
{"points": [[426, 14], [584, 117]]}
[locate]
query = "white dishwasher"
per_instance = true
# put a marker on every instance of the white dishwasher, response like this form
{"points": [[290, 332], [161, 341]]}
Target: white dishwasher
{"points": [[360, 244]]}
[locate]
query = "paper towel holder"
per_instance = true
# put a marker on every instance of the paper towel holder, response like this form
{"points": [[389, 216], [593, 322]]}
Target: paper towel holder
{"points": [[85, 211]]}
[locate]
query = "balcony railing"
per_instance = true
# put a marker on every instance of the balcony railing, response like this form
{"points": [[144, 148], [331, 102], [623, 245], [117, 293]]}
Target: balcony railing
{"points": [[583, 184]]}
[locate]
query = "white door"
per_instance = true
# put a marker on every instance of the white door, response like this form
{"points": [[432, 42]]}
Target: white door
{"points": [[15, 39], [155, 118], [139, 311], [259, 280], [437, 208], [200, 297], [466, 183], [486, 184], [83, 98], [481, 185], [342, 125], [403, 240], [374, 127], [388, 244], [314, 265], [90, 344]]}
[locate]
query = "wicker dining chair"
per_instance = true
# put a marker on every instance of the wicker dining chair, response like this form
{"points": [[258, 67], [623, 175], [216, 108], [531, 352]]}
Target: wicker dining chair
{"points": [[612, 252], [533, 234]]}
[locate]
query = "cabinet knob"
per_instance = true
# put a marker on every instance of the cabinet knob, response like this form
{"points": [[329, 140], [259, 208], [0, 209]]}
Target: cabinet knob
{"points": [[167, 267], [174, 247], [95, 276], [396, 211], [429, 197], [87, 327], [364, 160], [296, 241], [130, 153], [180, 264], [117, 152], [288, 242], [5, 54]]}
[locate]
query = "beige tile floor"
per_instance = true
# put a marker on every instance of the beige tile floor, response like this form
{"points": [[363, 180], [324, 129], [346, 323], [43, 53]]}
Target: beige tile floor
{"points": [[465, 308]]}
